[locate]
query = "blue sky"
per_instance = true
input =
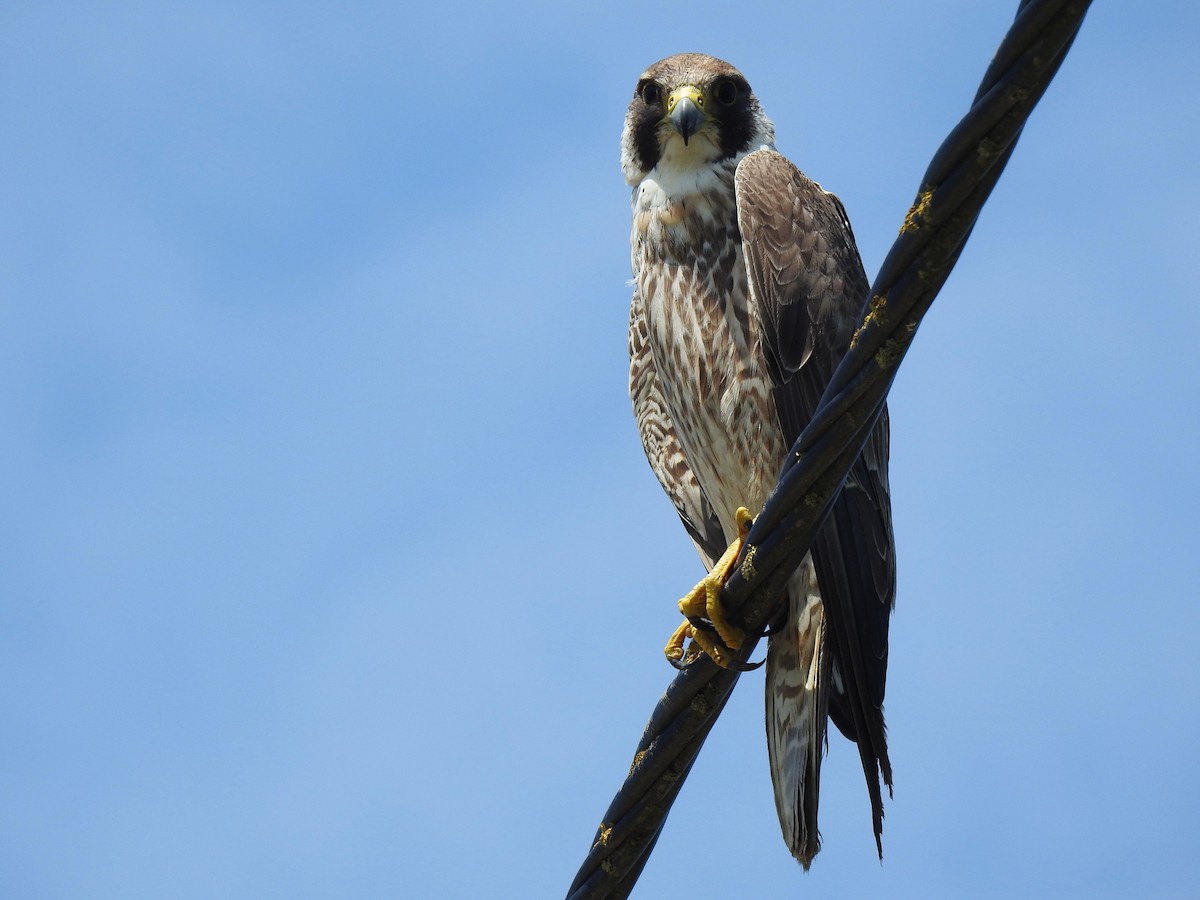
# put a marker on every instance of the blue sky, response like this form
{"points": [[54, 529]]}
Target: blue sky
{"points": [[329, 563]]}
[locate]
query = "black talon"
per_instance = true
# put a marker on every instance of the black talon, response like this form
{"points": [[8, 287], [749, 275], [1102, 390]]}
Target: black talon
{"points": [[746, 666], [777, 624], [733, 666]]}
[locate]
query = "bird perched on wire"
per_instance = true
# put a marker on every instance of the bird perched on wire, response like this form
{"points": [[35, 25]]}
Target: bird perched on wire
{"points": [[747, 289]]}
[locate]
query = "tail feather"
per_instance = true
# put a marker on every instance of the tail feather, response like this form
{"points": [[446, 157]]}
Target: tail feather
{"points": [[858, 583], [797, 669]]}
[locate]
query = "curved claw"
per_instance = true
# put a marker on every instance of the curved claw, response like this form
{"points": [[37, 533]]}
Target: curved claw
{"points": [[705, 642], [736, 666], [687, 660]]}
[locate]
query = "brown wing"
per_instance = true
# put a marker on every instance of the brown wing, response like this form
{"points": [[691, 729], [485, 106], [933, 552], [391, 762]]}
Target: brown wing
{"points": [[662, 447], [809, 287]]}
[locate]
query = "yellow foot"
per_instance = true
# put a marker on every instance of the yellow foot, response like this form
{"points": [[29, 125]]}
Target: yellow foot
{"points": [[704, 601]]}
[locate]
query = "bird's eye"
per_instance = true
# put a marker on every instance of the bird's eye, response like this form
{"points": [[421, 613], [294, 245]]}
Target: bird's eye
{"points": [[651, 93], [727, 92]]}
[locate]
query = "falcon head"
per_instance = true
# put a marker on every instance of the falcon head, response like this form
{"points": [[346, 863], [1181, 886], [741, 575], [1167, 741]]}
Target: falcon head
{"points": [[690, 111]]}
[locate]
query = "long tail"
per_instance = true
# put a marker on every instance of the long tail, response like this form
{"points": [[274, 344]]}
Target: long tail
{"points": [[797, 668]]}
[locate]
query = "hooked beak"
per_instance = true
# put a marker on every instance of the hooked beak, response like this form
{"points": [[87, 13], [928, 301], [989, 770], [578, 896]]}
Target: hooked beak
{"points": [[685, 110]]}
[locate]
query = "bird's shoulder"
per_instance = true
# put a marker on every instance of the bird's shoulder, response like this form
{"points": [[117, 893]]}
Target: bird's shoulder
{"points": [[801, 260]]}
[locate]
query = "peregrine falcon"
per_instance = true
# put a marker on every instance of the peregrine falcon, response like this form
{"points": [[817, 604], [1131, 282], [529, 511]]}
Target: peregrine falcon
{"points": [[747, 287]]}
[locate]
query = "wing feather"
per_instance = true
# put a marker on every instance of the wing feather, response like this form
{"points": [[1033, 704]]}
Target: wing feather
{"points": [[809, 287]]}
